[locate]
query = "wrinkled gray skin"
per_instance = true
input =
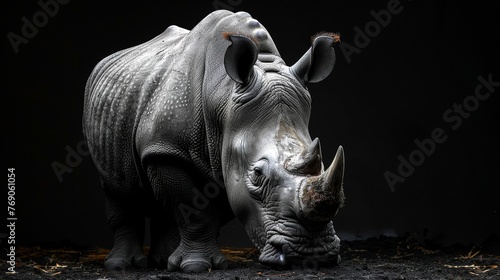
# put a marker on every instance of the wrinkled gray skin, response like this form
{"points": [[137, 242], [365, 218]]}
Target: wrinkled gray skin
{"points": [[193, 124]]}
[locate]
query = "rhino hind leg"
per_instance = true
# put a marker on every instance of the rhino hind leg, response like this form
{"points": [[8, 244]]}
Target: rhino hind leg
{"points": [[127, 225], [196, 216], [164, 240]]}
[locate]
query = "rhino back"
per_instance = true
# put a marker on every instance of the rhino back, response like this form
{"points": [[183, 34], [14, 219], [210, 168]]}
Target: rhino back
{"points": [[116, 95]]}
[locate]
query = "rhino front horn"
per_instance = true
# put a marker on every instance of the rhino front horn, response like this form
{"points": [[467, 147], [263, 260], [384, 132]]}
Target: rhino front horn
{"points": [[323, 195], [334, 176]]}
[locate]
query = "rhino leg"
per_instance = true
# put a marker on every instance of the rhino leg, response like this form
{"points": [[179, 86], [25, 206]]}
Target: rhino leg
{"points": [[127, 225], [197, 221], [164, 240]]}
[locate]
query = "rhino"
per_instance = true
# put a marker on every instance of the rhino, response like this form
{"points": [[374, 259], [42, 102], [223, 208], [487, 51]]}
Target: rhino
{"points": [[194, 128]]}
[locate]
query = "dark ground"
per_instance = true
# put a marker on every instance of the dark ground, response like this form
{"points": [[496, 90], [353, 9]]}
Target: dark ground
{"points": [[407, 257]]}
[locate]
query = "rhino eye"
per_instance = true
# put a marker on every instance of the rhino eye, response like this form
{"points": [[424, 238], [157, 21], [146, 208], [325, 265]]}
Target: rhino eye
{"points": [[257, 171], [256, 176]]}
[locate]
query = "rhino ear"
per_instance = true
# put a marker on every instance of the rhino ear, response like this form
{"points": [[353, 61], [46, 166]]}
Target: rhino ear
{"points": [[317, 63], [240, 58]]}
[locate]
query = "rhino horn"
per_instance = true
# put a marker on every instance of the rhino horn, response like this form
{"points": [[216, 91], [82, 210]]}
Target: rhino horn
{"points": [[323, 195], [308, 162]]}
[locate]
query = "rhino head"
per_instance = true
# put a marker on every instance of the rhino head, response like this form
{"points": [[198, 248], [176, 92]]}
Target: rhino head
{"points": [[276, 182]]}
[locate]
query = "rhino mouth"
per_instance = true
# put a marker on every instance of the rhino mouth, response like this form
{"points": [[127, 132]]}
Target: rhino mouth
{"points": [[290, 245]]}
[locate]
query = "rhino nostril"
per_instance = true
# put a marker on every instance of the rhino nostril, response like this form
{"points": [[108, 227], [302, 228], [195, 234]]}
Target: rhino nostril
{"points": [[280, 254], [272, 254], [282, 258], [285, 251]]}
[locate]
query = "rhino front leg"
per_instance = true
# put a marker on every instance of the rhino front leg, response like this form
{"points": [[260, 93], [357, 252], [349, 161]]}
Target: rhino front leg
{"points": [[198, 221], [127, 224], [198, 250]]}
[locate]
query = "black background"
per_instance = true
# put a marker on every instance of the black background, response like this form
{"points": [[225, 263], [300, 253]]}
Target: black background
{"points": [[395, 90]]}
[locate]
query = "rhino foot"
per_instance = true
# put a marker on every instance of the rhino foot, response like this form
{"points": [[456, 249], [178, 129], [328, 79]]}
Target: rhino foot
{"points": [[119, 261], [195, 262], [127, 253]]}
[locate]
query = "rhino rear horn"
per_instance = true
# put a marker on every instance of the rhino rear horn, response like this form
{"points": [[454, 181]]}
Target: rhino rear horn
{"points": [[317, 63], [240, 58], [308, 162]]}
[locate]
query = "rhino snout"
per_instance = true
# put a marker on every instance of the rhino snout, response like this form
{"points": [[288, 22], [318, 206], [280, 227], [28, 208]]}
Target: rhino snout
{"points": [[304, 249]]}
